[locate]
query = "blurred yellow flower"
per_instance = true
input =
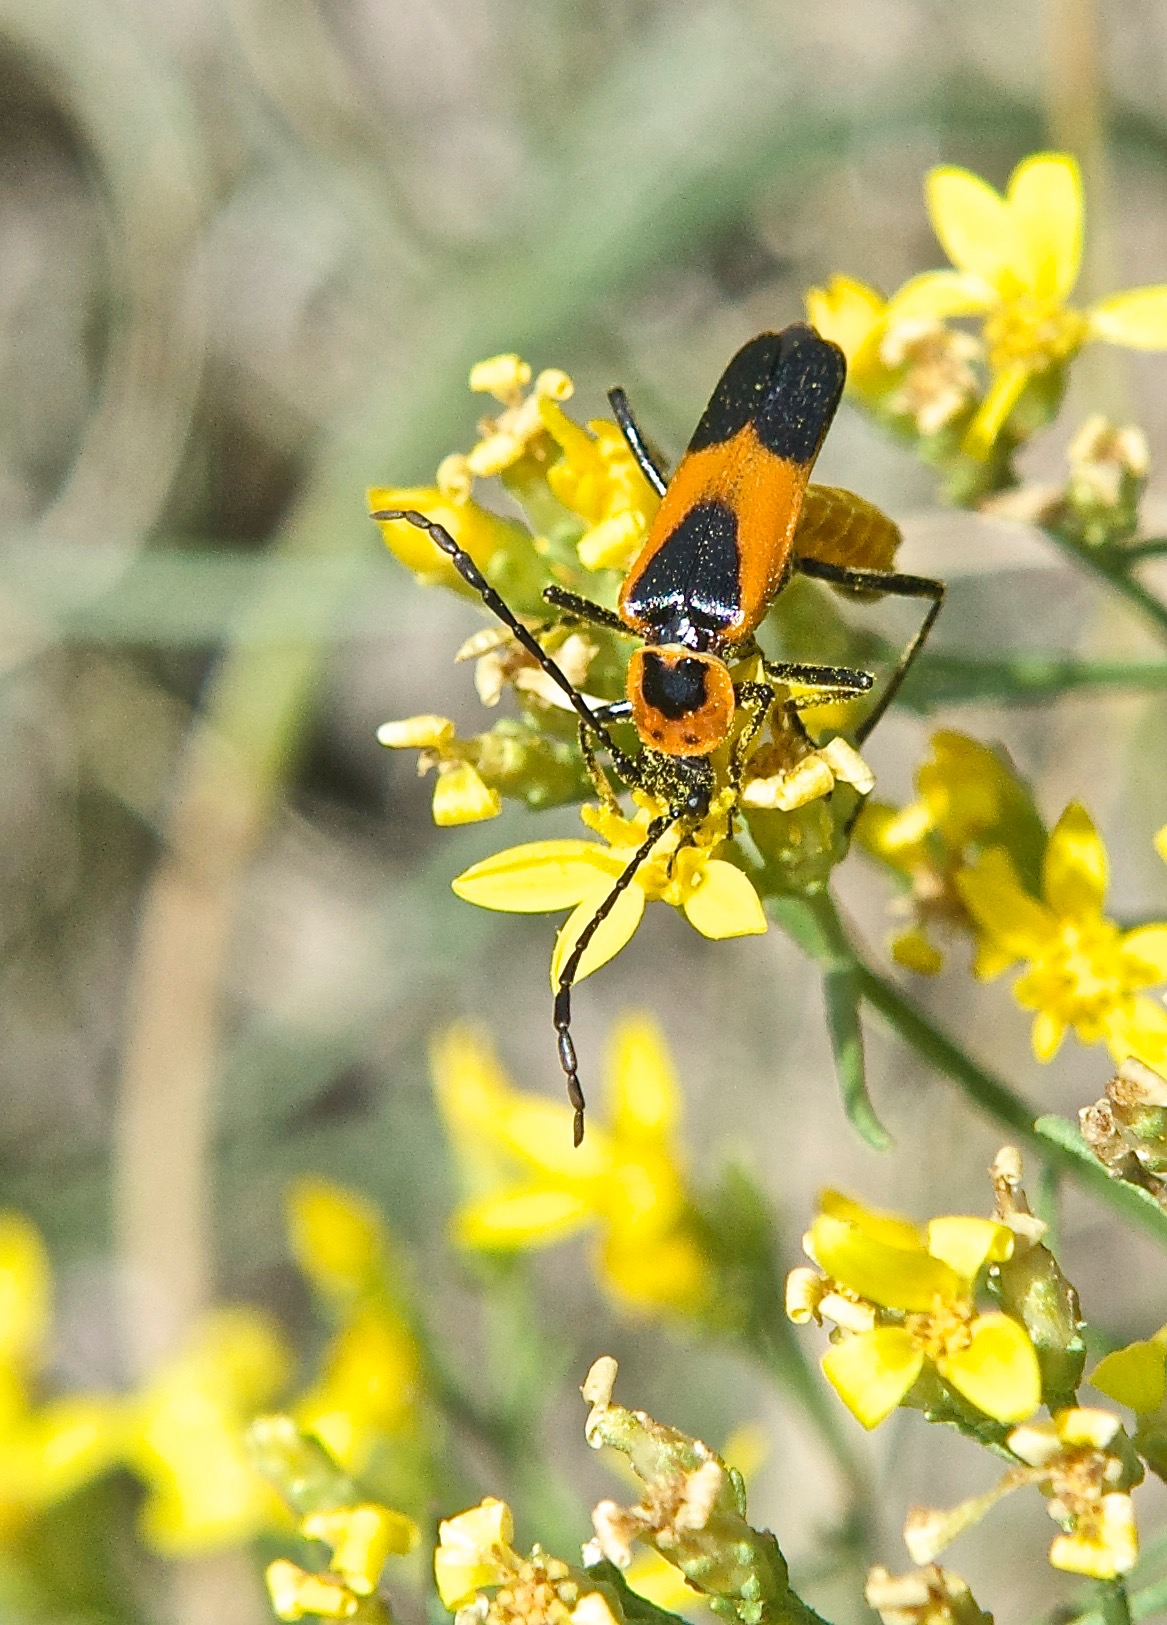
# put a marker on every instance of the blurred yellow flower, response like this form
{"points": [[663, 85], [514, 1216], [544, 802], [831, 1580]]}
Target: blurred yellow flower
{"points": [[716, 898], [50, 1448], [1016, 260], [370, 1375], [186, 1430], [530, 1188], [598, 478], [872, 1262], [1083, 971]]}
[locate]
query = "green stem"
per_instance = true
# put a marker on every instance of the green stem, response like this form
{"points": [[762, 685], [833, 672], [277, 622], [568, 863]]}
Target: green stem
{"points": [[1153, 547], [1115, 571], [944, 679], [993, 1096], [1116, 1607]]}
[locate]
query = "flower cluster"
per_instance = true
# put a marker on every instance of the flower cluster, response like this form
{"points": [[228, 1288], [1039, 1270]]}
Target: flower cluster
{"points": [[973, 855], [908, 1332], [1015, 259]]}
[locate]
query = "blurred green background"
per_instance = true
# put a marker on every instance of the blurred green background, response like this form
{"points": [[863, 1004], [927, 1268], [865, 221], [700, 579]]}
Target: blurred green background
{"points": [[248, 252]]}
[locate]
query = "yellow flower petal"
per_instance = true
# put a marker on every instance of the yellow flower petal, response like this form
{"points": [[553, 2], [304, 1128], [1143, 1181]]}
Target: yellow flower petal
{"points": [[367, 1388], [614, 933], [361, 1539], [295, 1592], [416, 733], [538, 878], [888, 1228], [1146, 948], [336, 1237], [24, 1290], [1137, 318], [895, 1277], [461, 796], [966, 1244], [914, 952], [669, 1272], [71, 1441], [1045, 199], [1074, 870], [724, 903], [1049, 1029], [643, 1090], [1138, 1027], [524, 1216], [998, 1371], [973, 222], [850, 314], [1134, 1376], [469, 1550], [1003, 910], [992, 414], [1103, 1553], [941, 294], [873, 1371], [657, 1580]]}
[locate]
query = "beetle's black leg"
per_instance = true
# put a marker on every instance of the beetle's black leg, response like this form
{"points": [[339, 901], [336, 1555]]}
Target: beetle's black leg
{"points": [[474, 577], [827, 682], [637, 444], [756, 698], [898, 585], [562, 1012], [584, 610]]}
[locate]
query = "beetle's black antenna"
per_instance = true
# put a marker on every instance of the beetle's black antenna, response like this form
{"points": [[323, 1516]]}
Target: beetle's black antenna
{"points": [[473, 576], [637, 444], [567, 1056], [896, 585]]}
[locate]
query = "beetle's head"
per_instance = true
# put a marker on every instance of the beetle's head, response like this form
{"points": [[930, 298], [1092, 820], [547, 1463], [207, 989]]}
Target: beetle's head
{"points": [[682, 702]]}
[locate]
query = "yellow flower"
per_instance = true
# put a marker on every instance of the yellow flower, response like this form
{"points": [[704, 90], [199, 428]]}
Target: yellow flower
{"points": [[51, 1448], [1083, 971], [532, 1189], [598, 478], [474, 1555], [852, 315], [927, 1596], [969, 797], [483, 534], [187, 1428], [1016, 261], [370, 1375], [517, 430], [461, 795], [901, 1296], [716, 898], [1085, 1483], [361, 1539], [912, 367]]}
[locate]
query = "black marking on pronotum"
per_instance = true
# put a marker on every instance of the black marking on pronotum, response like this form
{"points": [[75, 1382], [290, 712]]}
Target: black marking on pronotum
{"points": [[676, 689]]}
